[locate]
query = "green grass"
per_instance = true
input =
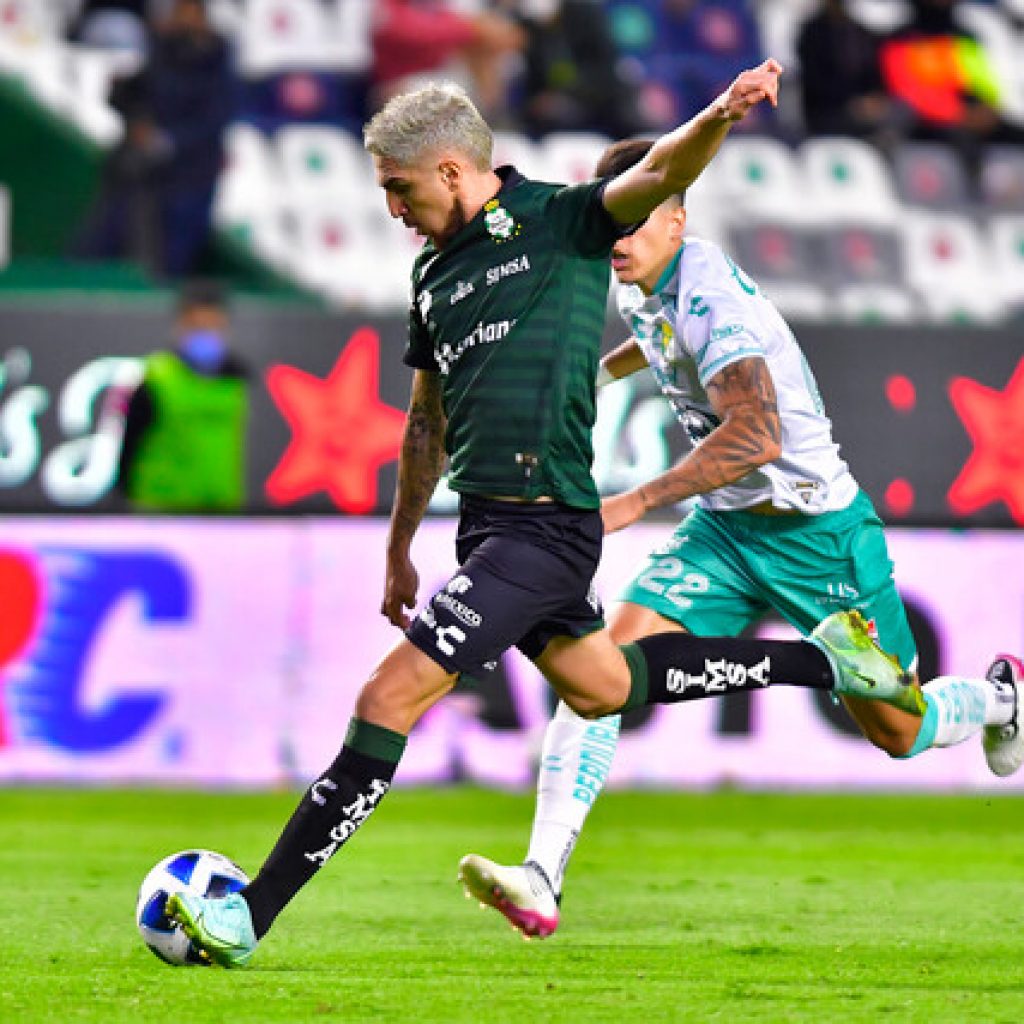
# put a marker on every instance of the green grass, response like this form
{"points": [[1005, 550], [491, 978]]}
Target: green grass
{"points": [[731, 907]]}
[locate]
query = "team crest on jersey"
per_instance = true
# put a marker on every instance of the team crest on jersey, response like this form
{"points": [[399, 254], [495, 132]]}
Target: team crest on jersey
{"points": [[499, 222], [664, 336]]}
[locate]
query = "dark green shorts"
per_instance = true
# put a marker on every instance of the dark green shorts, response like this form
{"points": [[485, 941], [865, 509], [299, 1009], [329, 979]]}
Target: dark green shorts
{"points": [[722, 571]]}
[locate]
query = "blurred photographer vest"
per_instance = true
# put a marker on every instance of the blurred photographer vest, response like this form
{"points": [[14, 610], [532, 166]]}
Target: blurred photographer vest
{"points": [[192, 455]]}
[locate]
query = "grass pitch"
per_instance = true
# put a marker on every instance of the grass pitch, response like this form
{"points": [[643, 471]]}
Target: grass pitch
{"points": [[725, 906]]}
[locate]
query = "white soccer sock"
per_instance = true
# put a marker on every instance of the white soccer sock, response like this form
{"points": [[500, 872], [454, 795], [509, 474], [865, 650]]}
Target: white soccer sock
{"points": [[965, 707], [575, 759]]}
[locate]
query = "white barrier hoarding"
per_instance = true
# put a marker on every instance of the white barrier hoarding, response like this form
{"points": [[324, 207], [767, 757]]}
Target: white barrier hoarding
{"points": [[230, 653]]}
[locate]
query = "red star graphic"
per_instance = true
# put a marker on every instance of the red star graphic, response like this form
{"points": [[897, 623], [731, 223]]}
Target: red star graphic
{"points": [[994, 421], [342, 433]]}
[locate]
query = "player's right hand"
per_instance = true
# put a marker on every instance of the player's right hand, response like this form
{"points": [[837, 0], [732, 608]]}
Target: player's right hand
{"points": [[401, 584], [750, 88]]}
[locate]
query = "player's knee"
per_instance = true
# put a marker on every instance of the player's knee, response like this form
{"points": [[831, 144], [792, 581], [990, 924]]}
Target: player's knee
{"points": [[400, 689], [591, 706]]}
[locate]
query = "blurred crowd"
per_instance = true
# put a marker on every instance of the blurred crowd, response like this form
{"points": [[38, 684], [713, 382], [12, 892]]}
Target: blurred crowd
{"points": [[616, 68]]}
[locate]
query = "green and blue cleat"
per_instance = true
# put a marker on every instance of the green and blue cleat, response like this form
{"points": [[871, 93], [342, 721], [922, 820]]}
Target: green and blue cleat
{"points": [[860, 667], [220, 928]]}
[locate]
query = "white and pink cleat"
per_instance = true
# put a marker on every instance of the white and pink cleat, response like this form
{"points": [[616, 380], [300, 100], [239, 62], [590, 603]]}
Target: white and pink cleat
{"points": [[1004, 744], [521, 892]]}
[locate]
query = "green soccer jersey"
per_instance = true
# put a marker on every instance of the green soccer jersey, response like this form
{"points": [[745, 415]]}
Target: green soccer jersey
{"points": [[511, 313]]}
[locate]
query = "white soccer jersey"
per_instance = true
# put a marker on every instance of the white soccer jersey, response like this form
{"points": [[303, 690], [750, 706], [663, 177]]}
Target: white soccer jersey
{"points": [[706, 313]]}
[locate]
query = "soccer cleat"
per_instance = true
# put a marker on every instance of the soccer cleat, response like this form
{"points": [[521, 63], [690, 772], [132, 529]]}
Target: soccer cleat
{"points": [[860, 667], [220, 928], [1004, 744], [521, 892]]}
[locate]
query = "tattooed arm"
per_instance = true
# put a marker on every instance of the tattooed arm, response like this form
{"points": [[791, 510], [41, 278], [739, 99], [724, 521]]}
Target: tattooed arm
{"points": [[419, 469], [749, 435]]}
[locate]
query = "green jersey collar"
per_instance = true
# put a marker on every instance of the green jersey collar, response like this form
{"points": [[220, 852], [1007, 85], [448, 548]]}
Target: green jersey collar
{"points": [[668, 283]]}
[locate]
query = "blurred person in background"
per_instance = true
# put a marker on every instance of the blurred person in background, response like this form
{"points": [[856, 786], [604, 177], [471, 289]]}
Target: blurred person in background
{"points": [[158, 184], [841, 77], [413, 38], [572, 78], [185, 425], [781, 525], [939, 73]]}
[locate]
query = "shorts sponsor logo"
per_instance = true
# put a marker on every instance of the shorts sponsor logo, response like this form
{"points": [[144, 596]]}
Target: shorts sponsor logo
{"points": [[459, 584], [519, 265], [445, 635], [720, 676], [461, 611]]}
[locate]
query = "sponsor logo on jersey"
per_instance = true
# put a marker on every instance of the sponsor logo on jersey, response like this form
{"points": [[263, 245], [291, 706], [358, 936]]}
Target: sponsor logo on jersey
{"points": [[721, 676], [698, 307], [462, 289], [519, 265], [721, 333], [483, 334], [499, 222]]}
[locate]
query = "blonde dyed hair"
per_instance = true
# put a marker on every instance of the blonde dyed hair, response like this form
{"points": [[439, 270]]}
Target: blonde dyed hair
{"points": [[436, 117]]}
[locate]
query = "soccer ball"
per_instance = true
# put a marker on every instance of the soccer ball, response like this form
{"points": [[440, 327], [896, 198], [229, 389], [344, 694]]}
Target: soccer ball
{"points": [[201, 872]]}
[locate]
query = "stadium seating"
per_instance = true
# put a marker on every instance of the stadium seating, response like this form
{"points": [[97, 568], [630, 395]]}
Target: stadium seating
{"points": [[829, 226], [1006, 242], [774, 250], [930, 175], [523, 154], [251, 181], [571, 156], [759, 176], [354, 260], [874, 303], [320, 162], [847, 179], [949, 268], [863, 254], [1001, 179]]}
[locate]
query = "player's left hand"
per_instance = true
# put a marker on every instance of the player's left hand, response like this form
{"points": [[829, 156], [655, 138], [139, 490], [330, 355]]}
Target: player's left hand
{"points": [[750, 88], [400, 586], [622, 510]]}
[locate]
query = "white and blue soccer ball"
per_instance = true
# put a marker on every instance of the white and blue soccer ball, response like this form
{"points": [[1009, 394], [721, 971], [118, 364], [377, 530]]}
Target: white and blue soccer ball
{"points": [[201, 872]]}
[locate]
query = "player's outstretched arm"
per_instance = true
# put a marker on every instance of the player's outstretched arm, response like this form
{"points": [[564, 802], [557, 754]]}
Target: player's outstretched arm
{"points": [[749, 435], [677, 159], [419, 468]]}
